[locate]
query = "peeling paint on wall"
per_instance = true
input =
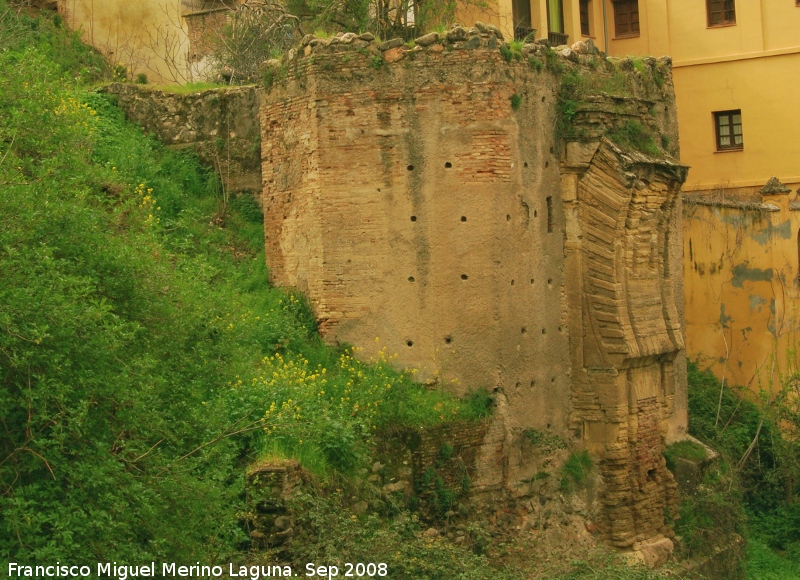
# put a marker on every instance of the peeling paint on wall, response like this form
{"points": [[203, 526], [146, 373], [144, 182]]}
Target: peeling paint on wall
{"points": [[783, 231], [724, 319], [743, 273], [743, 314], [756, 302]]}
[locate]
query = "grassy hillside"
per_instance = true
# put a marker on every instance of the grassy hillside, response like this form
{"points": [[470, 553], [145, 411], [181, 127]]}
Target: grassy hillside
{"points": [[145, 360]]}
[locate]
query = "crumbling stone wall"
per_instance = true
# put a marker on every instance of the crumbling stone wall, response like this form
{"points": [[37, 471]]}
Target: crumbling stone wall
{"points": [[414, 205], [220, 124], [423, 200]]}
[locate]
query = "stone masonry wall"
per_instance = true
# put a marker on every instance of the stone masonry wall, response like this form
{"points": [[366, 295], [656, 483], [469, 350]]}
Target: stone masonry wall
{"points": [[415, 206], [626, 329]]}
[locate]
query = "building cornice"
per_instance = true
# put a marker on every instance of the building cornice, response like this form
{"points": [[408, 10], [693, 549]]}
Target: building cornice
{"points": [[736, 57]]}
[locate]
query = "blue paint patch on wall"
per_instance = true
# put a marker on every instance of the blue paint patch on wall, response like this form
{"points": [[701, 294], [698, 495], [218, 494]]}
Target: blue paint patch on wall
{"points": [[783, 230], [756, 302], [742, 273], [771, 326], [724, 319]]}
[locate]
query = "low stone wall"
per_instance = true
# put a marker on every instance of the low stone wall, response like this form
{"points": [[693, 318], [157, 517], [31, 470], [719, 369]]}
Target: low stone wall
{"points": [[221, 125]]}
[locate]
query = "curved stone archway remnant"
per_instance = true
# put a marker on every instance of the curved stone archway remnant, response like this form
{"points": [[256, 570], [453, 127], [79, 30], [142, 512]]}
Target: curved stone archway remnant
{"points": [[625, 327]]}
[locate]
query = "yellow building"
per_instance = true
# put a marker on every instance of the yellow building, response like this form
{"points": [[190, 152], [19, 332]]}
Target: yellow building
{"points": [[741, 276], [167, 40], [736, 66]]}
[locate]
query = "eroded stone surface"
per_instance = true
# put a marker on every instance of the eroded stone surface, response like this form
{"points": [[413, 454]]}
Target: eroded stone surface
{"points": [[221, 125]]}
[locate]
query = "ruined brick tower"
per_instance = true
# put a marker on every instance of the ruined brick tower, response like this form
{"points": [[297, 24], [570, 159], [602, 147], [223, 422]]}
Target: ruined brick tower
{"points": [[470, 215]]}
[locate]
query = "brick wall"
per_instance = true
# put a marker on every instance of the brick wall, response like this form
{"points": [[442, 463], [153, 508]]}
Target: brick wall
{"points": [[425, 211]]}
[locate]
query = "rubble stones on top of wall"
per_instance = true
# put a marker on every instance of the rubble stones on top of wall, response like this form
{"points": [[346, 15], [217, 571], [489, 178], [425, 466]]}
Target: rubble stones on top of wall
{"points": [[774, 187]]}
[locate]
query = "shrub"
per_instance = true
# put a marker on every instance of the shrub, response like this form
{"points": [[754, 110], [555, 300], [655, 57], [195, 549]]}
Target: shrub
{"points": [[575, 470], [635, 135], [511, 51], [478, 404], [145, 359], [686, 449], [728, 421], [328, 533]]}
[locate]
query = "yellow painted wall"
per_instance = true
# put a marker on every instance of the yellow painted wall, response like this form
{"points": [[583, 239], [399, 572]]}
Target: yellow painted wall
{"points": [[770, 122], [781, 20], [497, 12], [679, 28], [145, 36], [729, 67], [742, 297]]}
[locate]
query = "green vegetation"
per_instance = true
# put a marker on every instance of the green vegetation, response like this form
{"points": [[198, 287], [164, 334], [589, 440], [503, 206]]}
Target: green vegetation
{"points": [[686, 449], [765, 564], [324, 523], [145, 360], [511, 50], [384, 19], [575, 470], [713, 515], [546, 442], [446, 452], [758, 469], [553, 62], [609, 80], [569, 97], [609, 566], [516, 101], [478, 404], [639, 65], [146, 363], [635, 135], [188, 88]]}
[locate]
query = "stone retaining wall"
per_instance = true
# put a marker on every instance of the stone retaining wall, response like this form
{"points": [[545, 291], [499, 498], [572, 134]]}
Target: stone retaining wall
{"points": [[221, 125]]}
